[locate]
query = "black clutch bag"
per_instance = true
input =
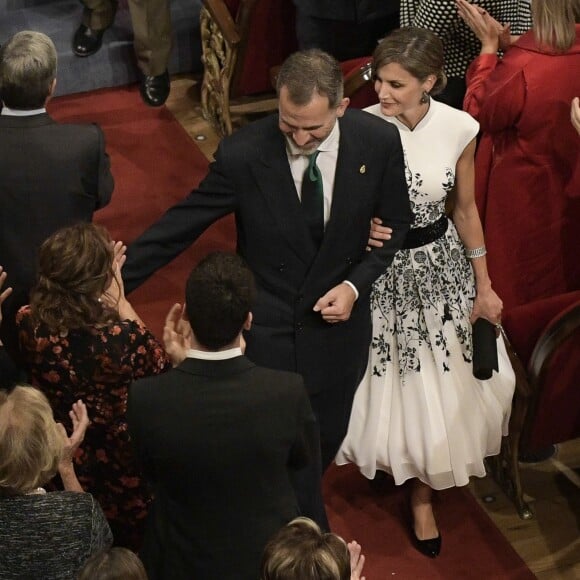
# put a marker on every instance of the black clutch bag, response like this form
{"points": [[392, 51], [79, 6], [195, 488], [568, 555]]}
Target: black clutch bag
{"points": [[484, 349]]}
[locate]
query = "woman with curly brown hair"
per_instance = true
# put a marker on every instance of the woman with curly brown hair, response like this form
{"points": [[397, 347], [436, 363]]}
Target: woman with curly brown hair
{"points": [[82, 339]]}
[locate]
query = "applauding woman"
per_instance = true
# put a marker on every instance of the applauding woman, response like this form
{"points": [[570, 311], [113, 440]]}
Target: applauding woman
{"points": [[43, 535], [527, 177], [81, 338]]}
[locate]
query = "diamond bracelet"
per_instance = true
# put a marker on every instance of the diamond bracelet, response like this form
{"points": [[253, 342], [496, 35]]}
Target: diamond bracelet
{"points": [[476, 252]]}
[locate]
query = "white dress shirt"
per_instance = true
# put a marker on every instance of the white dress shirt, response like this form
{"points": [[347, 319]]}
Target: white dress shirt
{"points": [[326, 162]]}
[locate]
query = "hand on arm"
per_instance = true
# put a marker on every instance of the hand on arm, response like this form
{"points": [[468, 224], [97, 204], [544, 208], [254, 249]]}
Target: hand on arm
{"points": [[80, 421], [378, 233], [176, 334], [336, 305]]}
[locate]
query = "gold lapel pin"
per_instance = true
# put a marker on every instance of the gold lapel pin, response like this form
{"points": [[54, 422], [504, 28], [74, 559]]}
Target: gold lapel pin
{"points": [[363, 169]]}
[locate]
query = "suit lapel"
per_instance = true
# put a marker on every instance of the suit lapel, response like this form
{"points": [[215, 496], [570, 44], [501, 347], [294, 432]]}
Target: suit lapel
{"points": [[348, 171], [274, 179]]}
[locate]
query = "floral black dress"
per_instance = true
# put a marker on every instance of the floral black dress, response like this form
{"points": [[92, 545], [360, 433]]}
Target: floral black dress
{"points": [[97, 365], [419, 411]]}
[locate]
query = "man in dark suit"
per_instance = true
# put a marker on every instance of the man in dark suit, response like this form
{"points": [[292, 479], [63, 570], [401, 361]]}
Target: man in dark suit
{"points": [[314, 277], [345, 28], [217, 437], [51, 175]]}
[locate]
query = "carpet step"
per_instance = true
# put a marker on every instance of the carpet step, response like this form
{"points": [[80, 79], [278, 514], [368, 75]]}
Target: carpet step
{"points": [[115, 64]]}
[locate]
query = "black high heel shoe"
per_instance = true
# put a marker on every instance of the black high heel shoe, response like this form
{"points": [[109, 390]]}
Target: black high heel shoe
{"points": [[430, 547]]}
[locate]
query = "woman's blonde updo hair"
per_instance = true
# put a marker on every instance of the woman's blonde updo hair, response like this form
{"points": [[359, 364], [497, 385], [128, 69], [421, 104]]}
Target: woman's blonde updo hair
{"points": [[419, 51], [300, 551], [75, 266], [31, 445]]}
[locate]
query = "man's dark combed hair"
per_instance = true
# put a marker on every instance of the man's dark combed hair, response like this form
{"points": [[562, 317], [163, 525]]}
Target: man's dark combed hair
{"points": [[219, 295]]}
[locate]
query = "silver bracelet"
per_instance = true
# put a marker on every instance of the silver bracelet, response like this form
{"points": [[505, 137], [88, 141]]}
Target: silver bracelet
{"points": [[476, 252]]}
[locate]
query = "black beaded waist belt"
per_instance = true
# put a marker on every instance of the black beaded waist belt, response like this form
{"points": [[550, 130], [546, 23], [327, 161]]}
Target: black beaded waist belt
{"points": [[418, 237]]}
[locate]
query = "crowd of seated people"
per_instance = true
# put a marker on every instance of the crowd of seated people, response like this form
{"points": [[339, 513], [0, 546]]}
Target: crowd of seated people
{"points": [[82, 346]]}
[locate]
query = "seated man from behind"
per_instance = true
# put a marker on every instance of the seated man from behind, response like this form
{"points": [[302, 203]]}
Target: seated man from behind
{"points": [[52, 175], [217, 436]]}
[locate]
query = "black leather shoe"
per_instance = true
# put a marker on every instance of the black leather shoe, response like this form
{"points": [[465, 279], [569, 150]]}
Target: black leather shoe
{"points": [[430, 548], [155, 89], [87, 41]]}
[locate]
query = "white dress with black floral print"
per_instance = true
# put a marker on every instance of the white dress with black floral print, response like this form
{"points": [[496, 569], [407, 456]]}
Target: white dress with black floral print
{"points": [[419, 411]]}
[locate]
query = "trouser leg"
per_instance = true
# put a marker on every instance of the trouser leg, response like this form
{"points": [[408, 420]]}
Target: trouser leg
{"points": [[99, 14], [151, 21]]}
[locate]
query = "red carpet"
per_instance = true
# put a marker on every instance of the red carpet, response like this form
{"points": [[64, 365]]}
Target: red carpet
{"points": [[155, 163], [472, 547]]}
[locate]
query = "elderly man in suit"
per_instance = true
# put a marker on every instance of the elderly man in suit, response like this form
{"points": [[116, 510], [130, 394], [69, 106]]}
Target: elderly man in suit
{"points": [[217, 436], [304, 185], [51, 175]]}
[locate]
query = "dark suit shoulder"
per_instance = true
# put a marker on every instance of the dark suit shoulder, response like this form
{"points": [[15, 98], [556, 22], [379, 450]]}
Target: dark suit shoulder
{"points": [[250, 140]]}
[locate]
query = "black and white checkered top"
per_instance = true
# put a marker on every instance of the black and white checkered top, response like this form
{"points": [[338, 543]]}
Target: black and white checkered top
{"points": [[461, 44]]}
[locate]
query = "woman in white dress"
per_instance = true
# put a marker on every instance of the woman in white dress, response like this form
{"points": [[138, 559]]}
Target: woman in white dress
{"points": [[419, 414]]}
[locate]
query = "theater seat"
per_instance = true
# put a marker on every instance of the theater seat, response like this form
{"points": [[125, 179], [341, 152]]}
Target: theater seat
{"points": [[544, 345], [244, 42]]}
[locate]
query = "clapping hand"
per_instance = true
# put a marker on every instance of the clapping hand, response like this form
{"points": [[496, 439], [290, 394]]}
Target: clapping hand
{"points": [[484, 26], [357, 561], [115, 291], [80, 421], [176, 334], [5, 293]]}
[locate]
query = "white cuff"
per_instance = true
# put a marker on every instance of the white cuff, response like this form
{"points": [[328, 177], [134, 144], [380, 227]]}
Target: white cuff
{"points": [[353, 288]]}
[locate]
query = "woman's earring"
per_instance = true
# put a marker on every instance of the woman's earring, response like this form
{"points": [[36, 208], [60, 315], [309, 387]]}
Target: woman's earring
{"points": [[424, 98]]}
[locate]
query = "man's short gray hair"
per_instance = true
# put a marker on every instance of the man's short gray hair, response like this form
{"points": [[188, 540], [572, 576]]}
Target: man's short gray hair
{"points": [[27, 70], [308, 72]]}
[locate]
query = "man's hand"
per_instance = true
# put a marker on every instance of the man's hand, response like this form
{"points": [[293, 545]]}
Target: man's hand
{"points": [[336, 305], [176, 334], [377, 234]]}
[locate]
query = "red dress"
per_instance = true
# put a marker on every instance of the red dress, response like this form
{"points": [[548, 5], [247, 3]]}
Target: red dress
{"points": [[97, 365], [527, 168]]}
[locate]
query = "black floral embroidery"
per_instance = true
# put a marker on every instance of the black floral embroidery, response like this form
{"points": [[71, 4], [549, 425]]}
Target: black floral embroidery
{"points": [[432, 283]]}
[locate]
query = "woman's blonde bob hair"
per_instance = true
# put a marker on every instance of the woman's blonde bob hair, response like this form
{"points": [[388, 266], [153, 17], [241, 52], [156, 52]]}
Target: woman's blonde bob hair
{"points": [[300, 551], [31, 444], [554, 23]]}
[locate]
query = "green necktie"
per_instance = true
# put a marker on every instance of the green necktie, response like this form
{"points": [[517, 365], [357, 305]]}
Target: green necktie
{"points": [[312, 197]]}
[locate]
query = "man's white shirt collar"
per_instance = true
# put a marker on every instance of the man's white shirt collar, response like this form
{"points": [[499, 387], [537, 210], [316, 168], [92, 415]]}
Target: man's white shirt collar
{"points": [[22, 113], [214, 354]]}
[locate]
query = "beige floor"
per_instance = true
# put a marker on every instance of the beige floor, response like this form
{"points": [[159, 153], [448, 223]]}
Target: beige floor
{"points": [[550, 542]]}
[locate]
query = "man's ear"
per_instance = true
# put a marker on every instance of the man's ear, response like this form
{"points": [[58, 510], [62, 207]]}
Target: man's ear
{"points": [[248, 322], [342, 107]]}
